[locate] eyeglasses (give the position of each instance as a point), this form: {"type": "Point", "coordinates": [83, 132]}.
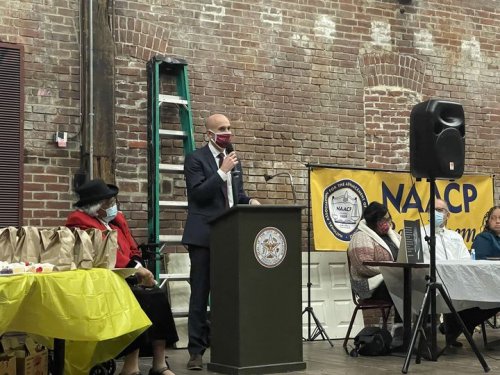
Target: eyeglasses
{"type": "Point", "coordinates": [107, 203]}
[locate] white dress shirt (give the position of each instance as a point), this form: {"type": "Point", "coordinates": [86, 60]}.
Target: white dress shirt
{"type": "Point", "coordinates": [225, 176]}
{"type": "Point", "coordinates": [449, 245]}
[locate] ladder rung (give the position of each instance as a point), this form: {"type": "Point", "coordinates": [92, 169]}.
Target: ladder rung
{"type": "Point", "coordinates": [171, 167]}
{"type": "Point", "coordinates": [172, 99]}
{"type": "Point", "coordinates": [171, 239]}
{"type": "Point", "coordinates": [173, 204]}
{"type": "Point", "coordinates": [174, 134]}
{"type": "Point", "coordinates": [178, 313]}
{"type": "Point", "coordinates": [174, 276]}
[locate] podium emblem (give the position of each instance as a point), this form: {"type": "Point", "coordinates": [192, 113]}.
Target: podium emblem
{"type": "Point", "coordinates": [270, 247]}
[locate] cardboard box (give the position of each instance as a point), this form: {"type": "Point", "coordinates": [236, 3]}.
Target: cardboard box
{"type": "Point", "coordinates": [33, 364]}
{"type": "Point", "coordinates": [30, 358]}
{"type": "Point", "coordinates": [7, 364]}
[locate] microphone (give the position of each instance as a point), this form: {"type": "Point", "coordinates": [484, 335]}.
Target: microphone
{"type": "Point", "coordinates": [235, 175]}
{"type": "Point", "coordinates": [268, 177]}
{"type": "Point", "coordinates": [235, 172]}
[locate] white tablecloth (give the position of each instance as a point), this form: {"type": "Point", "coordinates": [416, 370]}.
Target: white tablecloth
{"type": "Point", "coordinates": [470, 283]}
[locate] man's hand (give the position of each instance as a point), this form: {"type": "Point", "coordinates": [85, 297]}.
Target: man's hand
{"type": "Point", "coordinates": [145, 277]}
{"type": "Point", "coordinates": [254, 201]}
{"type": "Point", "coordinates": [229, 162]}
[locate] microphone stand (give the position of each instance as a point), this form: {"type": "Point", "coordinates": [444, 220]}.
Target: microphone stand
{"type": "Point", "coordinates": [319, 330]}
{"type": "Point", "coordinates": [270, 177]}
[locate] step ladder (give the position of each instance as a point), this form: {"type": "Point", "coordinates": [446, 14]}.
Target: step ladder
{"type": "Point", "coordinates": [170, 76]}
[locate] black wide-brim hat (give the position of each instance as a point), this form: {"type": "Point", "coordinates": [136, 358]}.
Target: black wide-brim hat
{"type": "Point", "coordinates": [94, 191]}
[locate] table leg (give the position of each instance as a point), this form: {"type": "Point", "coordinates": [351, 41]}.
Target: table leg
{"type": "Point", "coordinates": [59, 345]}
{"type": "Point", "coordinates": [406, 306]}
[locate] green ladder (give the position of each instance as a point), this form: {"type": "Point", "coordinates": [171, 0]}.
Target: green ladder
{"type": "Point", "coordinates": [161, 71]}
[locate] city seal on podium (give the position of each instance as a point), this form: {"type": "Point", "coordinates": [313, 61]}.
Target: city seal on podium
{"type": "Point", "coordinates": [343, 205]}
{"type": "Point", "coordinates": [270, 247]}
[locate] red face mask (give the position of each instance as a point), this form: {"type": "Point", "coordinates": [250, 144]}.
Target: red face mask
{"type": "Point", "coordinates": [222, 139]}
{"type": "Point", "coordinates": [383, 227]}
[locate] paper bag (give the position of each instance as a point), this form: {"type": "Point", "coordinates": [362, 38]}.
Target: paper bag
{"type": "Point", "coordinates": [82, 252]}
{"type": "Point", "coordinates": [105, 245]}
{"type": "Point", "coordinates": [8, 240]}
{"type": "Point", "coordinates": [57, 248]}
{"type": "Point", "coordinates": [28, 247]}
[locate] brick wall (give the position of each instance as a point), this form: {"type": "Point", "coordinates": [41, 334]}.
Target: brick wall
{"type": "Point", "coordinates": [322, 82]}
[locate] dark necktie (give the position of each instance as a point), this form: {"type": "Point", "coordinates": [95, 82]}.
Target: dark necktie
{"type": "Point", "coordinates": [224, 187]}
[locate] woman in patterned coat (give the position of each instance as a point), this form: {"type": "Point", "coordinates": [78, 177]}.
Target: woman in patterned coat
{"type": "Point", "coordinates": [374, 240]}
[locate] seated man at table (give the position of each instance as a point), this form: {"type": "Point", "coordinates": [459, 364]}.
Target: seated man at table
{"type": "Point", "coordinates": [450, 246]}
{"type": "Point", "coordinates": [374, 240]}
{"type": "Point", "coordinates": [97, 208]}
{"type": "Point", "coordinates": [487, 243]}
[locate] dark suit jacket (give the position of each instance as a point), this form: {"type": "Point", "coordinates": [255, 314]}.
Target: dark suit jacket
{"type": "Point", "coordinates": [206, 195]}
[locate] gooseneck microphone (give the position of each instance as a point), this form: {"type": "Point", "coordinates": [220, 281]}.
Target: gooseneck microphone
{"type": "Point", "coordinates": [268, 177]}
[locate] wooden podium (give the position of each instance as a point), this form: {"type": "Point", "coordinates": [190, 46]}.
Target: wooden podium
{"type": "Point", "coordinates": [255, 300]}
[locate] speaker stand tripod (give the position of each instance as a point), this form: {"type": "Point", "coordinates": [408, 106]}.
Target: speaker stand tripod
{"type": "Point", "coordinates": [319, 330]}
{"type": "Point", "coordinates": [430, 300]}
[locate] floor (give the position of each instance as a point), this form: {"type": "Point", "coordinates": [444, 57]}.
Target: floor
{"type": "Point", "coordinates": [321, 359]}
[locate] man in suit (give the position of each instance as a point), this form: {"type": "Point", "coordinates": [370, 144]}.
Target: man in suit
{"type": "Point", "coordinates": [214, 184]}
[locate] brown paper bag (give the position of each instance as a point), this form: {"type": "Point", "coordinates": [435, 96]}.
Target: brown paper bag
{"type": "Point", "coordinates": [105, 245]}
{"type": "Point", "coordinates": [83, 249]}
{"type": "Point", "coordinates": [28, 247]}
{"type": "Point", "coordinates": [8, 240]}
{"type": "Point", "coordinates": [109, 248]}
{"type": "Point", "coordinates": [57, 248]}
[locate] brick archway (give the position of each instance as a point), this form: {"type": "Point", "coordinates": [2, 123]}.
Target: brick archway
{"type": "Point", "coordinates": [392, 85]}
{"type": "Point", "coordinates": [140, 39]}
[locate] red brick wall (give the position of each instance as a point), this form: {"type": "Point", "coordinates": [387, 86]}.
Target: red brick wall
{"type": "Point", "coordinates": [327, 82]}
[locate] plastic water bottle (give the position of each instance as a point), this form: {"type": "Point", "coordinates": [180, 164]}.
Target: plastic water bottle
{"type": "Point", "coordinates": [473, 254]}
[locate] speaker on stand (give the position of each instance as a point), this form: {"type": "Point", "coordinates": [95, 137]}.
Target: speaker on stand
{"type": "Point", "coordinates": [437, 140]}
{"type": "Point", "coordinates": [437, 150]}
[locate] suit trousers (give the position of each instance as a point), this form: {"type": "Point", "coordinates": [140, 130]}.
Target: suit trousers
{"type": "Point", "coordinates": [198, 328]}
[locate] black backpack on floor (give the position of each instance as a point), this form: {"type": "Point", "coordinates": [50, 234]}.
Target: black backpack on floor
{"type": "Point", "coordinates": [372, 341]}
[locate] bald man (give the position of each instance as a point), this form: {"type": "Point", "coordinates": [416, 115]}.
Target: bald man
{"type": "Point", "coordinates": [214, 184]}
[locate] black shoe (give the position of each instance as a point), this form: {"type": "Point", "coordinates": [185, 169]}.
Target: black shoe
{"type": "Point", "coordinates": [195, 362]}
{"type": "Point", "coordinates": [455, 344]}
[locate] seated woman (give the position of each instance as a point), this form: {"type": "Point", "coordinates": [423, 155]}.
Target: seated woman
{"type": "Point", "coordinates": [487, 243]}
{"type": "Point", "coordinates": [97, 208]}
{"type": "Point", "coordinates": [374, 240]}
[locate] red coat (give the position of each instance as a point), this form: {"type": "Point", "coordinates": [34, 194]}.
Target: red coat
{"type": "Point", "coordinates": [127, 247]}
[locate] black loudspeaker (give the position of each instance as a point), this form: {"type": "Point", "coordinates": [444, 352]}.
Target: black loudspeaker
{"type": "Point", "coordinates": [437, 140]}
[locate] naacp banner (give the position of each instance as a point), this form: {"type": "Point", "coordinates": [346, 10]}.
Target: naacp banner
{"type": "Point", "coordinates": [339, 196]}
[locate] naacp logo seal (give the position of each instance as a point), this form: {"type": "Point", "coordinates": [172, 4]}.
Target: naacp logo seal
{"type": "Point", "coordinates": [269, 247]}
{"type": "Point", "coordinates": [343, 205]}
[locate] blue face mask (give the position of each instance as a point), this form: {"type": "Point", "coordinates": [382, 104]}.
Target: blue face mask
{"type": "Point", "coordinates": [438, 218]}
{"type": "Point", "coordinates": [111, 213]}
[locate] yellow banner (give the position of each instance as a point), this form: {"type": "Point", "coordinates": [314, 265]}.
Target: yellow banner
{"type": "Point", "coordinates": [339, 196]}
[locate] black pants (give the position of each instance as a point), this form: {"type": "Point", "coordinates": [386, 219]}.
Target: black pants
{"type": "Point", "coordinates": [381, 293]}
{"type": "Point", "coordinates": [154, 303]}
{"type": "Point", "coordinates": [198, 329]}
{"type": "Point", "coordinates": [471, 318]}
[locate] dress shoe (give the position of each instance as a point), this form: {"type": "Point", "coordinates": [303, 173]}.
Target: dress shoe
{"type": "Point", "coordinates": [454, 343]}
{"type": "Point", "coordinates": [195, 362]}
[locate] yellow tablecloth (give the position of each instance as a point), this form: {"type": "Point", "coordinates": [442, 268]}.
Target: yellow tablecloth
{"type": "Point", "coordinates": [93, 310]}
